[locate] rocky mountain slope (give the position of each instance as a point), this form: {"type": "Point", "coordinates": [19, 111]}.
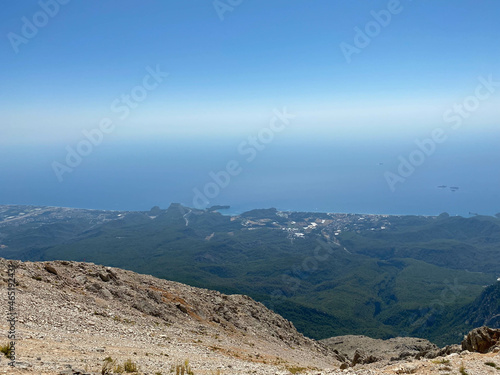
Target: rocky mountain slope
{"type": "Point", "coordinates": [81, 318]}
{"type": "Point", "coordinates": [78, 314]}
{"type": "Point", "coordinates": [485, 310]}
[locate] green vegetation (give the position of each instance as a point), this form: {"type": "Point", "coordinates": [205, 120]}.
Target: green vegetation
{"type": "Point", "coordinates": [111, 366]}
{"type": "Point", "coordinates": [418, 277]}
{"type": "Point", "coordinates": [107, 366]}
{"type": "Point", "coordinates": [492, 364]}
{"type": "Point", "coordinates": [6, 349]}
{"type": "Point", "coordinates": [183, 369]}
{"type": "Point", "coordinates": [296, 370]}
{"type": "Point", "coordinates": [406, 371]}
{"type": "Point", "coordinates": [130, 366]}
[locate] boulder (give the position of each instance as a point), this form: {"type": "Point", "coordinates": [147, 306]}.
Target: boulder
{"type": "Point", "coordinates": [104, 277]}
{"type": "Point", "coordinates": [50, 269]}
{"type": "Point", "coordinates": [481, 340]}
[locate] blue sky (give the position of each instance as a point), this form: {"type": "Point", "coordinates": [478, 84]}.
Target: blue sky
{"type": "Point", "coordinates": [225, 77]}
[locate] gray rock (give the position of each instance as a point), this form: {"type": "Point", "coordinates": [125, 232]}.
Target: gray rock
{"type": "Point", "coordinates": [143, 305]}
{"type": "Point", "coordinates": [362, 358]}
{"type": "Point", "coordinates": [182, 308]}
{"type": "Point", "coordinates": [104, 277]}
{"type": "Point", "coordinates": [23, 365]}
{"type": "Point", "coordinates": [112, 274]}
{"type": "Point", "coordinates": [447, 350]}
{"type": "Point", "coordinates": [50, 269]}
{"type": "Point", "coordinates": [81, 279]}
{"type": "Point", "coordinates": [94, 287]}
{"type": "Point", "coordinates": [106, 294]}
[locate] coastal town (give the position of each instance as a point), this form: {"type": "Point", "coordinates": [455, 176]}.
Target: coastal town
{"type": "Point", "coordinates": [330, 225]}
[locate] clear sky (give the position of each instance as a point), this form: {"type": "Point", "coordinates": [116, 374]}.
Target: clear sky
{"type": "Point", "coordinates": [226, 76]}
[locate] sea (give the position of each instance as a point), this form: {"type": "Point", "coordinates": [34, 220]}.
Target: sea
{"type": "Point", "coordinates": [371, 176]}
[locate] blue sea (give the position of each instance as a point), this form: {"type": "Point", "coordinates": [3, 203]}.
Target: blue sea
{"type": "Point", "coordinates": [296, 174]}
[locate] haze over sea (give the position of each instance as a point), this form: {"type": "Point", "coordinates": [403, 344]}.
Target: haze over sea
{"type": "Point", "coordinates": [293, 172]}
{"type": "Point", "coordinates": [182, 86]}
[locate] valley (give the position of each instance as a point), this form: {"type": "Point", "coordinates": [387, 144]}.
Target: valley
{"type": "Point", "coordinates": [330, 274]}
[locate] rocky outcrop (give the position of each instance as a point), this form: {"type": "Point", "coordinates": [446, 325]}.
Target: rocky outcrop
{"type": "Point", "coordinates": [440, 352]}
{"type": "Point", "coordinates": [481, 340]}
{"type": "Point", "coordinates": [362, 349]}
{"type": "Point", "coordinates": [361, 357]}
{"type": "Point", "coordinates": [365, 350]}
